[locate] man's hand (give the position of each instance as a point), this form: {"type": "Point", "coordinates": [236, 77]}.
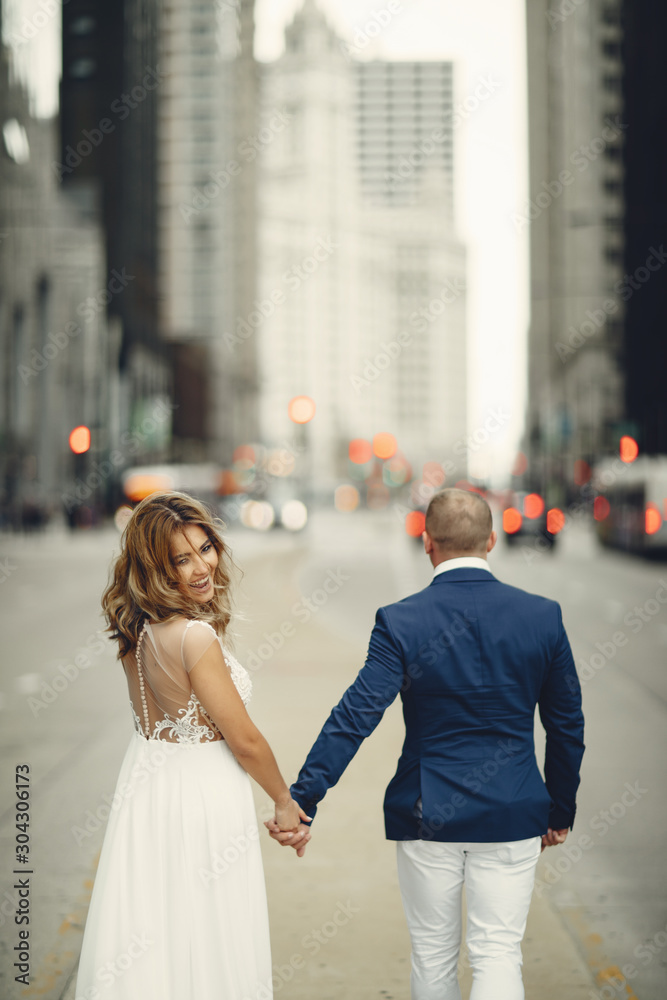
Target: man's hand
{"type": "Point", "coordinates": [297, 840]}
{"type": "Point", "coordinates": [553, 837]}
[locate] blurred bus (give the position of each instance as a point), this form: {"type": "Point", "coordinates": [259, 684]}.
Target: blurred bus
{"type": "Point", "coordinates": [630, 509]}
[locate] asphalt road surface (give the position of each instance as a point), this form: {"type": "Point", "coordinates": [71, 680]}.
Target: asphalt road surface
{"type": "Point", "coordinates": [598, 925]}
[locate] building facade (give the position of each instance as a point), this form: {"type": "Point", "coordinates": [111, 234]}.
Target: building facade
{"type": "Point", "coordinates": [577, 133]}
{"type": "Point", "coordinates": [55, 341]}
{"type": "Point", "coordinates": [207, 125]}
{"type": "Point", "coordinates": [362, 276]}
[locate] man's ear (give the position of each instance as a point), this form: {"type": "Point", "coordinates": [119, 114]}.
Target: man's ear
{"type": "Point", "coordinates": [428, 543]}
{"type": "Point", "coordinates": [493, 538]}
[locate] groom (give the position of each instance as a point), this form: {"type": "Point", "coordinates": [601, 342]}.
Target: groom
{"type": "Point", "coordinates": [471, 658]}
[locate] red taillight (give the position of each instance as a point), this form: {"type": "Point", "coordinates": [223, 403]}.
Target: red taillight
{"type": "Point", "coordinates": [533, 505]}
{"type": "Point", "coordinates": [652, 520]}
{"type": "Point", "coordinates": [555, 520]}
{"type": "Point", "coordinates": [512, 520]}
{"type": "Point", "coordinates": [601, 508]}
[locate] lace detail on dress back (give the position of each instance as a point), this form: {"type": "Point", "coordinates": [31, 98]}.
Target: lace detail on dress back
{"type": "Point", "coordinates": [186, 727]}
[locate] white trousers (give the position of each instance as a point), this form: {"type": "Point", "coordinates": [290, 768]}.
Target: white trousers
{"type": "Point", "coordinates": [499, 882]}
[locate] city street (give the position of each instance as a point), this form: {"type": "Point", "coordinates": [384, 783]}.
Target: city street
{"type": "Point", "coordinates": [598, 925]}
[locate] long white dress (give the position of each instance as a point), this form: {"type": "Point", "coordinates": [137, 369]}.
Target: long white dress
{"type": "Point", "coordinates": [178, 909]}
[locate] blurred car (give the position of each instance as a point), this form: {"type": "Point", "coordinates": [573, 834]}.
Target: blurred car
{"type": "Point", "coordinates": [526, 520]}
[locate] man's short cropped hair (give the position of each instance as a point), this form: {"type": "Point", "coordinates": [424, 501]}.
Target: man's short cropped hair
{"type": "Point", "coordinates": [459, 521]}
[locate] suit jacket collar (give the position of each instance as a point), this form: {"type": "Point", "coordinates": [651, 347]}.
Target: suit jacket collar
{"type": "Point", "coordinates": [459, 575]}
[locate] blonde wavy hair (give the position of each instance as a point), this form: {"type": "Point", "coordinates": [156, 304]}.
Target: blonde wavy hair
{"type": "Point", "coordinates": [146, 584]}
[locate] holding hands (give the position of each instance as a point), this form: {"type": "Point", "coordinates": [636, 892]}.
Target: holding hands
{"type": "Point", "coordinates": [286, 827]}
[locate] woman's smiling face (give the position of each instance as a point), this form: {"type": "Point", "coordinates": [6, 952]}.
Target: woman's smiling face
{"type": "Point", "coordinates": [196, 560]}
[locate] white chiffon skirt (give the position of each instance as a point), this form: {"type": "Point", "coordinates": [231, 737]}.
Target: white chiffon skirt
{"type": "Point", "coordinates": [178, 909]}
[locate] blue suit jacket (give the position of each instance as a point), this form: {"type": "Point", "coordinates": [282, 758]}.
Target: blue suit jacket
{"type": "Point", "coordinates": [471, 658]}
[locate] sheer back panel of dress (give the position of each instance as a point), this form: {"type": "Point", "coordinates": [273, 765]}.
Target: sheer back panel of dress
{"type": "Point", "coordinates": [167, 653]}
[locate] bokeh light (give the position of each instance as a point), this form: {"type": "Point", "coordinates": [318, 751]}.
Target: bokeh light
{"type": "Point", "coordinates": [244, 453]}
{"type": "Point", "coordinates": [395, 471]}
{"type": "Point", "coordinates": [520, 464]}
{"type": "Point", "coordinates": [555, 520]}
{"type": "Point", "coordinates": [582, 472]}
{"type": "Point", "coordinates": [628, 448]}
{"type": "Point", "coordinates": [293, 515]}
{"type": "Point", "coordinates": [257, 514]}
{"type": "Point", "coordinates": [280, 462]}
{"type": "Point", "coordinates": [122, 516]}
{"type": "Point", "coordinates": [652, 520]}
{"type": "Point", "coordinates": [601, 508]}
{"type": "Point", "coordinates": [301, 409]}
{"type": "Point", "coordinates": [360, 451]}
{"type": "Point", "coordinates": [140, 485]}
{"type": "Point", "coordinates": [415, 522]}
{"type": "Point", "coordinates": [79, 439]}
{"type": "Point", "coordinates": [384, 445]}
{"type": "Point", "coordinates": [433, 474]}
{"type": "Point", "coordinates": [512, 520]}
{"type": "Point", "coordinates": [346, 498]}
{"type": "Point", "coordinates": [533, 505]}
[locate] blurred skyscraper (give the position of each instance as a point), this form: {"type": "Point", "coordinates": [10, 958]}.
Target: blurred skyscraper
{"type": "Point", "coordinates": [175, 85]}
{"type": "Point", "coordinates": [576, 132]}
{"type": "Point", "coordinates": [362, 277]}
{"type": "Point", "coordinates": [207, 214]}
{"type": "Point", "coordinates": [645, 221]}
{"type": "Point", "coordinates": [54, 341]}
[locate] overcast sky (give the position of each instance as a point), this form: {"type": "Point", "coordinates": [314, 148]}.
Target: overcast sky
{"type": "Point", "coordinates": [485, 38]}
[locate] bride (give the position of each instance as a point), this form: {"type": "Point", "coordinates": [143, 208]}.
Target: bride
{"type": "Point", "coordinates": [178, 909]}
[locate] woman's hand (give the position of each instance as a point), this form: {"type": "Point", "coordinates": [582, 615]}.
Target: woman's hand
{"type": "Point", "coordinates": [288, 815]}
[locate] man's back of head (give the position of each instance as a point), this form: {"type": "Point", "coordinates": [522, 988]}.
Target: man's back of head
{"type": "Point", "coordinates": [458, 523]}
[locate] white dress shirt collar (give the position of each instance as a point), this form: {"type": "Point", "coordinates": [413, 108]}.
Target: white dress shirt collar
{"type": "Point", "coordinates": [462, 562]}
